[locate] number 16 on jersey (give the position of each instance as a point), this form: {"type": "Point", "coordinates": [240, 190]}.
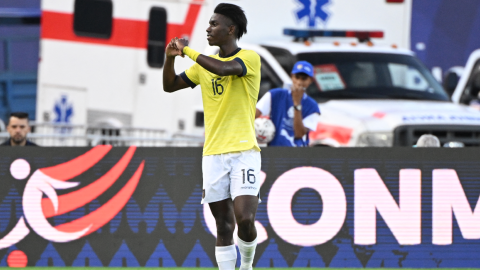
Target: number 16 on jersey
{"type": "Point", "coordinates": [216, 86]}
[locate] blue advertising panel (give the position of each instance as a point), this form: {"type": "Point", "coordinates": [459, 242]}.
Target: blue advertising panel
{"type": "Point", "coordinates": [445, 32]}
{"type": "Point", "coordinates": [321, 207]}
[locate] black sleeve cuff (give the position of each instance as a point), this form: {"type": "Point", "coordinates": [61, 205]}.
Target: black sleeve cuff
{"type": "Point", "coordinates": [187, 80]}
{"type": "Point", "coordinates": [240, 61]}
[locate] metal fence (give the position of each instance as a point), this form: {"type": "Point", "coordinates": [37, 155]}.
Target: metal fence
{"type": "Point", "coordinates": [46, 134]}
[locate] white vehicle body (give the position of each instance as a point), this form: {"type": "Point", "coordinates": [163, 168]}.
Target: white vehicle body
{"type": "Point", "coordinates": [107, 80]}
{"type": "Point", "coordinates": [89, 80]}
{"type": "Point", "coordinates": [383, 121]}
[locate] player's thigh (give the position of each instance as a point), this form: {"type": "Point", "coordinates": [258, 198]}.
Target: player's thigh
{"type": "Point", "coordinates": [223, 212]}
{"type": "Point", "coordinates": [245, 174]}
{"type": "Point", "coordinates": [216, 181]}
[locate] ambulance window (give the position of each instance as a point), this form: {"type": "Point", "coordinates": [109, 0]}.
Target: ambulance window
{"type": "Point", "coordinates": [93, 18]}
{"type": "Point", "coordinates": [157, 34]}
{"type": "Point", "coordinates": [269, 79]}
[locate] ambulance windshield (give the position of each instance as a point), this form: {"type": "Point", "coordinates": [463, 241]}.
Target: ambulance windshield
{"type": "Point", "coordinates": [371, 76]}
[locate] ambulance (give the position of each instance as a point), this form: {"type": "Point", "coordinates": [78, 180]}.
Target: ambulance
{"type": "Point", "coordinates": [101, 65]}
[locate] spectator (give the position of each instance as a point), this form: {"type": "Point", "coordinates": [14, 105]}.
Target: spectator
{"type": "Point", "coordinates": [428, 140]}
{"type": "Point", "coordinates": [292, 112]}
{"type": "Point", "coordinates": [18, 128]}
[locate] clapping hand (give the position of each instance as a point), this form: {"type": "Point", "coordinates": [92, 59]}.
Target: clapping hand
{"type": "Point", "coordinates": [172, 49]}
{"type": "Point", "coordinates": [180, 43]}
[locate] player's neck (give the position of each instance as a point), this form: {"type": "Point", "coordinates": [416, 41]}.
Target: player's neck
{"type": "Point", "coordinates": [227, 49]}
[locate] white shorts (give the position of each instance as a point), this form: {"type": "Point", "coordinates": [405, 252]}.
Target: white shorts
{"type": "Point", "coordinates": [230, 175]}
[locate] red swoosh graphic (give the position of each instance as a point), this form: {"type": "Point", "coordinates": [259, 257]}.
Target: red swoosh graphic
{"type": "Point", "coordinates": [79, 198]}
{"type": "Point", "coordinates": [77, 166]}
{"type": "Point", "coordinates": [106, 212]}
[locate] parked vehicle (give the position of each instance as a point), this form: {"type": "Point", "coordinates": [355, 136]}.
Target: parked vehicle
{"type": "Point", "coordinates": [102, 66]}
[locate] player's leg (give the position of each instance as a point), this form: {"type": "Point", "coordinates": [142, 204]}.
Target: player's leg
{"type": "Point", "coordinates": [223, 213]}
{"type": "Point", "coordinates": [216, 188]}
{"type": "Point", "coordinates": [245, 188]}
{"type": "Point", "coordinates": [225, 251]}
{"type": "Point", "coordinates": [245, 209]}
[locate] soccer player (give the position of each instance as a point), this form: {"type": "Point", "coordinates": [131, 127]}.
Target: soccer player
{"type": "Point", "coordinates": [230, 83]}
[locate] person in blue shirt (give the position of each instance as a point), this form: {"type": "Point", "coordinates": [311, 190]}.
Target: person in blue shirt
{"type": "Point", "coordinates": [292, 112]}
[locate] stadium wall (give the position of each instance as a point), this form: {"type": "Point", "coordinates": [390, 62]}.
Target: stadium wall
{"type": "Point", "coordinates": [355, 207]}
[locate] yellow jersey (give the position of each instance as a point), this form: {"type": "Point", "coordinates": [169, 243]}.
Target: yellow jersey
{"type": "Point", "coordinates": [228, 103]}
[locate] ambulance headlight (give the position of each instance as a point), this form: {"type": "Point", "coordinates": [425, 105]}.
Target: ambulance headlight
{"type": "Point", "coordinates": [377, 139]}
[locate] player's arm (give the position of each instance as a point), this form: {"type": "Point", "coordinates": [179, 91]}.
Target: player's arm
{"type": "Point", "coordinates": [215, 66]}
{"type": "Point", "coordinates": [171, 81]}
{"type": "Point", "coordinates": [219, 67]}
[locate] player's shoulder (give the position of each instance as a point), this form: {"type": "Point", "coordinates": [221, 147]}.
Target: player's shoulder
{"type": "Point", "coordinates": [249, 54]}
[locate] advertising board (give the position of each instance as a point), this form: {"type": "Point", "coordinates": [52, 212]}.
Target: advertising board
{"type": "Point", "coordinates": [358, 207]}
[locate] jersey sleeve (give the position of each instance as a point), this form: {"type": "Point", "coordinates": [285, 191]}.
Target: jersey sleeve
{"type": "Point", "coordinates": [191, 75]}
{"type": "Point", "coordinates": [250, 62]}
{"type": "Point", "coordinates": [265, 104]}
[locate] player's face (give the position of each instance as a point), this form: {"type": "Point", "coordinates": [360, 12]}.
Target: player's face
{"type": "Point", "coordinates": [301, 80]}
{"type": "Point", "coordinates": [219, 30]}
{"type": "Point", "coordinates": [18, 129]}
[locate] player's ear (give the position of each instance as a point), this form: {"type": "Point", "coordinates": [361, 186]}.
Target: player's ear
{"type": "Point", "coordinates": [231, 29]}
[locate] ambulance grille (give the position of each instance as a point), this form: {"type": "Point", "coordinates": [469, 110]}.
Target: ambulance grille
{"type": "Point", "coordinates": [408, 135]}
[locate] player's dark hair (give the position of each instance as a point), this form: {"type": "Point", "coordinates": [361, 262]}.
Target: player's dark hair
{"type": "Point", "coordinates": [19, 115]}
{"type": "Point", "coordinates": [236, 14]}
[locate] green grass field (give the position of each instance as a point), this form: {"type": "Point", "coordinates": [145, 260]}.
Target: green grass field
{"type": "Point", "coordinates": [190, 268]}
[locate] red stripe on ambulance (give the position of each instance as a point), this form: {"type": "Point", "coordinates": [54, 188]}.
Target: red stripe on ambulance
{"type": "Point", "coordinates": [125, 32]}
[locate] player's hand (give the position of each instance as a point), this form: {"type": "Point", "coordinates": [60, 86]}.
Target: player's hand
{"type": "Point", "coordinates": [297, 94]}
{"type": "Point", "coordinates": [172, 50]}
{"type": "Point", "coordinates": [180, 43]}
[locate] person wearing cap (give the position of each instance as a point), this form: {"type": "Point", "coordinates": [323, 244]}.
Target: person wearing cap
{"type": "Point", "coordinates": [292, 112]}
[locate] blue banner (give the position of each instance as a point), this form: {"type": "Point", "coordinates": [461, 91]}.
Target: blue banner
{"type": "Point", "coordinates": [321, 207]}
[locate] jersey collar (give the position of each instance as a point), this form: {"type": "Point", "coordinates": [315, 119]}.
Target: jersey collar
{"type": "Point", "coordinates": [232, 54]}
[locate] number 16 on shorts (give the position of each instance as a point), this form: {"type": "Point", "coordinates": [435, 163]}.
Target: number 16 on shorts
{"type": "Point", "coordinates": [249, 176]}
{"type": "Point", "coordinates": [246, 182]}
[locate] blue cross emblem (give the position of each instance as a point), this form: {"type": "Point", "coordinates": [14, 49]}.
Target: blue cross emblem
{"type": "Point", "coordinates": [312, 15]}
{"type": "Point", "coordinates": [63, 111]}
